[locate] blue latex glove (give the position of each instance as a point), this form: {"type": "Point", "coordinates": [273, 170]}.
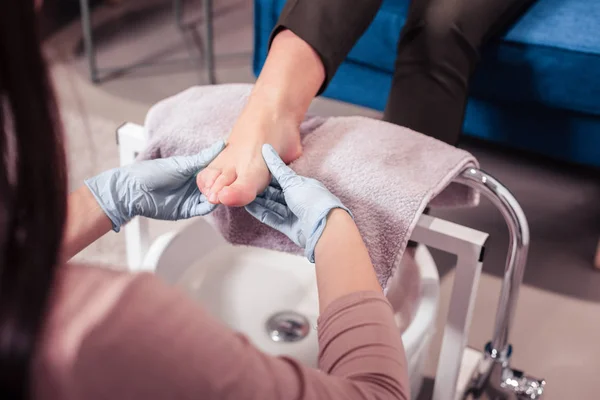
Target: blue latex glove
{"type": "Point", "coordinates": [294, 205]}
{"type": "Point", "coordinates": [161, 189]}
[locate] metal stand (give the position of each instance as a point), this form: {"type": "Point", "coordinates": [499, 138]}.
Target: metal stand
{"type": "Point", "coordinates": [209, 52]}
{"type": "Point", "coordinates": [493, 378]}
{"type": "Point", "coordinates": [208, 43]}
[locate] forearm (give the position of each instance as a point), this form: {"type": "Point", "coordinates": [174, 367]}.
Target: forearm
{"type": "Point", "coordinates": [86, 222]}
{"type": "Point", "coordinates": [358, 335]}
{"type": "Point", "coordinates": [343, 264]}
{"type": "Point", "coordinates": [361, 358]}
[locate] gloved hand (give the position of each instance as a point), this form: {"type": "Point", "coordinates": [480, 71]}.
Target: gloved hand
{"type": "Point", "coordinates": [161, 189]}
{"type": "Point", "coordinates": [294, 205]}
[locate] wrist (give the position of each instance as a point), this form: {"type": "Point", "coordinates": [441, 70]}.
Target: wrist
{"type": "Point", "coordinates": [86, 222]}
{"type": "Point", "coordinates": [337, 219]}
{"type": "Point", "coordinates": [339, 216]}
{"type": "Point", "coordinates": [105, 202]}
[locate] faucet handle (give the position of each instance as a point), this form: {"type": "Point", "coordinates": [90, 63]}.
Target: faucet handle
{"type": "Point", "coordinates": [524, 387]}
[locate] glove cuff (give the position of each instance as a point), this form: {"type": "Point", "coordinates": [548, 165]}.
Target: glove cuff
{"type": "Point", "coordinates": [318, 229]}
{"type": "Point", "coordinates": [104, 203]}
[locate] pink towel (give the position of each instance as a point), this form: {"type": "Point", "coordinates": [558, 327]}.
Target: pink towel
{"type": "Point", "coordinates": [384, 173]}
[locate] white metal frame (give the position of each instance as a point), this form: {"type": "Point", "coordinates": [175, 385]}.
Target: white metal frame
{"type": "Point", "coordinates": [466, 243]}
{"type": "Point", "coordinates": [468, 246]}
{"type": "Point", "coordinates": [131, 140]}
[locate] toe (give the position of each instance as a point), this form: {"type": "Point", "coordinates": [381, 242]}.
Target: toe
{"type": "Point", "coordinates": [239, 194]}
{"type": "Point", "coordinates": [206, 179]}
{"type": "Point", "coordinates": [226, 178]}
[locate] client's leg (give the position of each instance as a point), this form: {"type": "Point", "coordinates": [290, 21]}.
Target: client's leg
{"type": "Point", "coordinates": [437, 53]}
{"type": "Point", "coordinates": [299, 65]}
{"type": "Point", "coordinates": [271, 116]}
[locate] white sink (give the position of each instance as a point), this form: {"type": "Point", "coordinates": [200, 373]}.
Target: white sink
{"type": "Point", "coordinates": [245, 287]}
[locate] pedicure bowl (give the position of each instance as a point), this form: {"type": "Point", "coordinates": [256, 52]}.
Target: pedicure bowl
{"type": "Point", "coordinates": [272, 298]}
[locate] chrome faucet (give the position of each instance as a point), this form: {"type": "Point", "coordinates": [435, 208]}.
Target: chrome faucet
{"type": "Point", "coordinates": [493, 378]}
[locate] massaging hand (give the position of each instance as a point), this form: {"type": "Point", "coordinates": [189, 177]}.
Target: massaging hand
{"type": "Point", "coordinates": [294, 205]}
{"type": "Point", "coordinates": [160, 189]}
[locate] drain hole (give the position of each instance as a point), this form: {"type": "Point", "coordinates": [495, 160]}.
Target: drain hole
{"type": "Point", "coordinates": [287, 326]}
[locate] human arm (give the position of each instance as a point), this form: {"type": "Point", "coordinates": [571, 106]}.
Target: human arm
{"type": "Point", "coordinates": [86, 222]}
{"type": "Point", "coordinates": [137, 338]}
{"type": "Point", "coordinates": [155, 343]}
{"type": "Point", "coordinates": [343, 264]}
{"type": "Point", "coordinates": [160, 189]}
{"type": "Point", "coordinates": [316, 220]}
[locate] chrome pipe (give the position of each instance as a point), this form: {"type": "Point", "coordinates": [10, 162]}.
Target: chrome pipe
{"type": "Point", "coordinates": [518, 247]}
{"type": "Point", "coordinates": [494, 379]}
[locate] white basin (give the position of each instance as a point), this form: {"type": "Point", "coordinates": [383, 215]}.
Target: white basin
{"type": "Point", "coordinates": [244, 287]}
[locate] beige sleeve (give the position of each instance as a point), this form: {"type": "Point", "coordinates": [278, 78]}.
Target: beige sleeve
{"type": "Point", "coordinates": [158, 344]}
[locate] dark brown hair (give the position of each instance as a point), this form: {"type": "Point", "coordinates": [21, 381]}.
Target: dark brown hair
{"type": "Point", "coordinates": [32, 194]}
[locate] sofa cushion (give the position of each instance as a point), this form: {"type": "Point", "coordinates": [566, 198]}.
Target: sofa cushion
{"type": "Point", "coordinates": [550, 56]}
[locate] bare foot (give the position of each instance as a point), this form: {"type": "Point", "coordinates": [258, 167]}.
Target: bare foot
{"type": "Point", "coordinates": [239, 173]}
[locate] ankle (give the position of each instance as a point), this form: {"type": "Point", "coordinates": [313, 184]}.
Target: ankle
{"type": "Point", "coordinates": [266, 120]}
{"type": "Point", "coordinates": [274, 107]}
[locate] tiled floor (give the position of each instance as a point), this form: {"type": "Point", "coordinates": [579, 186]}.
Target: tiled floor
{"type": "Point", "coordinates": [556, 328]}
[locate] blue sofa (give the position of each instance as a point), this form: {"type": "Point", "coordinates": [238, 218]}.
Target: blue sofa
{"type": "Point", "coordinates": [537, 89]}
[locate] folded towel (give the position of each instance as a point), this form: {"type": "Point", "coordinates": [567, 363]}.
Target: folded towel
{"type": "Point", "coordinates": [384, 173]}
